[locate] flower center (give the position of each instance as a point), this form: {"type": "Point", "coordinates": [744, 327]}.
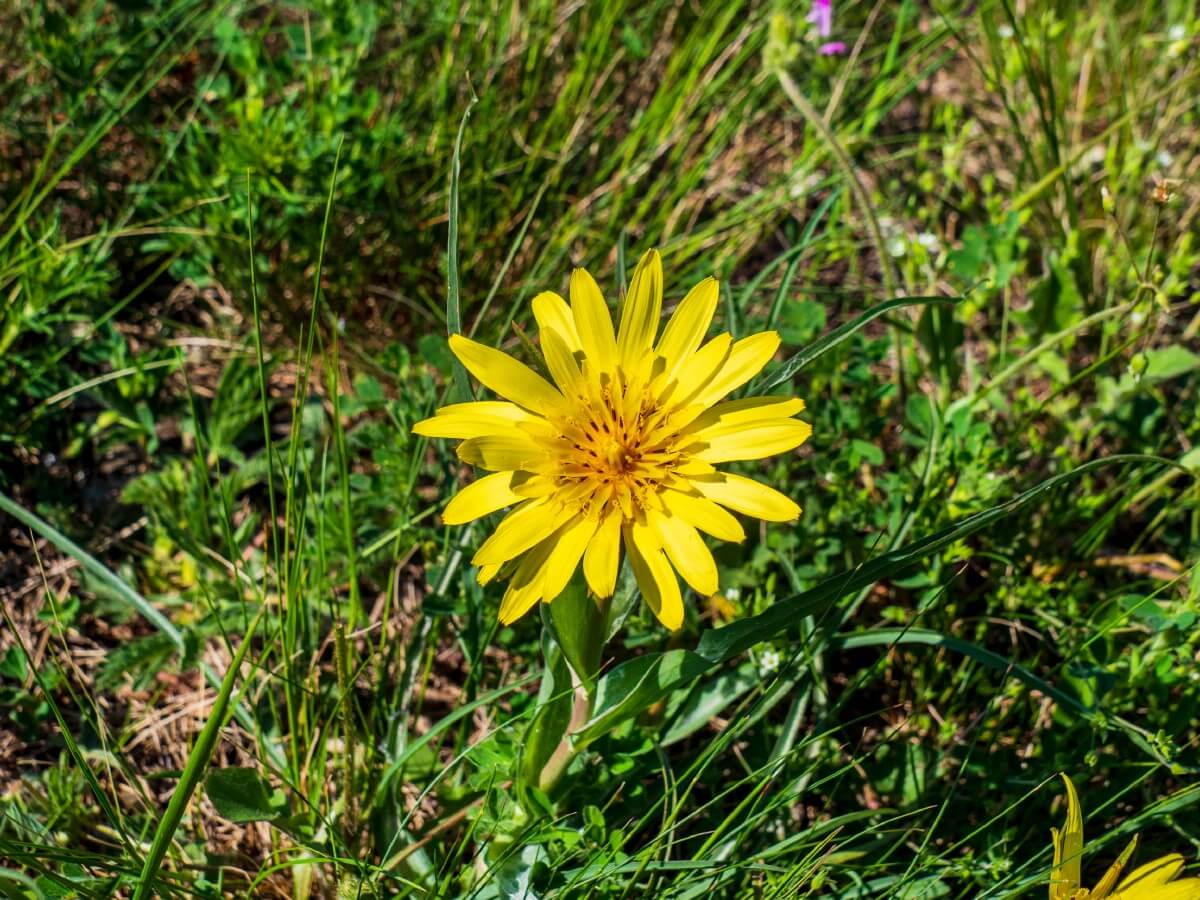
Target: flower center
{"type": "Point", "coordinates": [612, 455]}
{"type": "Point", "coordinates": [616, 456]}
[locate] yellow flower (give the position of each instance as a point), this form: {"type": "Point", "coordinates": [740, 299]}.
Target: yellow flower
{"type": "Point", "coordinates": [1153, 881]}
{"type": "Point", "coordinates": [620, 450]}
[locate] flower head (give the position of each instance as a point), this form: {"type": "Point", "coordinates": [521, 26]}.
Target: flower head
{"type": "Point", "coordinates": [1153, 881]}
{"type": "Point", "coordinates": [620, 450]}
{"type": "Point", "coordinates": [821, 15]}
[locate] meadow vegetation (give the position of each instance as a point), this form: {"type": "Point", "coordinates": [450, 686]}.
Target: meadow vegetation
{"type": "Point", "coordinates": [242, 656]}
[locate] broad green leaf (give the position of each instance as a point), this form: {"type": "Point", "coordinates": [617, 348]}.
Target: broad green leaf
{"type": "Point", "coordinates": [1170, 362]}
{"type": "Point", "coordinates": [577, 625]}
{"type": "Point", "coordinates": [635, 685]}
{"type": "Point", "coordinates": [241, 795]}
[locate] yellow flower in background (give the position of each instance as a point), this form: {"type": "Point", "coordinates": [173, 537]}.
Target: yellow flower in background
{"type": "Point", "coordinates": [620, 451]}
{"type": "Point", "coordinates": [1153, 881]}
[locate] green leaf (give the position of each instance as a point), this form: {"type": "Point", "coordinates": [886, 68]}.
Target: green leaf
{"type": "Point", "coordinates": [241, 795]}
{"type": "Point", "coordinates": [801, 321]}
{"type": "Point", "coordinates": [1170, 362]}
{"type": "Point", "coordinates": [635, 685]}
{"type": "Point", "coordinates": [577, 625]}
{"type": "Point", "coordinates": [709, 699]}
{"type": "Point", "coordinates": [462, 384]}
{"type": "Point", "coordinates": [786, 371]}
{"type": "Point", "coordinates": [894, 637]}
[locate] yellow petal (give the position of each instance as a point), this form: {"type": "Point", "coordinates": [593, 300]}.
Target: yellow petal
{"type": "Point", "coordinates": [752, 441]}
{"type": "Point", "coordinates": [687, 552]}
{"type": "Point", "coordinates": [510, 379]}
{"type": "Point", "coordinates": [592, 321]}
{"type": "Point", "coordinates": [525, 586]}
{"type": "Point", "coordinates": [1187, 889]}
{"type": "Point", "coordinates": [688, 325]}
{"type": "Point", "coordinates": [746, 359]}
{"type": "Point", "coordinates": [696, 372]}
{"type": "Point", "coordinates": [561, 363]}
{"type": "Point", "coordinates": [603, 556]}
{"type": "Point", "coordinates": [1154, 874]}
{"type": "Point", "coordinates": [468, 420]}
{"type": "Point", "coordinates": [551, 311]}
{"type": "Point", "coordinates": [1057, 889]}
{"type": "Point", "coordinates": [569, 544]}
{"type": "Point", "coordinates": [488, 494]}
{"type": "Point", "coordinates": [487, 573]}
{"type": "Point", "coordinates": [1105, 885]}
{"type": "Point", "coordinates": [747, 496]}
{"type": "Point", "coordinates": [641, 311]}
{"type": "Point", "coordinates": [1068, 847]}
{"type": "Point", "coordinates": [497, 453]}
{"type": "Point", "coordinates": [740, 412]}
{"type": "Point", "coordinates": [703, 514]}
{"type": "Point", "coordinates": [533, 486]}
{"type": "Point", "coordinates": [655, 579]}
{"type": "Point", "coordinates": [525, 526]}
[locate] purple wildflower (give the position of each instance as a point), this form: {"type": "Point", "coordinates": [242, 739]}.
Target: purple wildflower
{"type": "Point", "coordinates": [822, 16]}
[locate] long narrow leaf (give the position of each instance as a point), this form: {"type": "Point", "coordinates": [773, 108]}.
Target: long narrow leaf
{"type": "Point", "coordinates": [633, 686]}
{"type": "Point", "coordinates": [786, 371]}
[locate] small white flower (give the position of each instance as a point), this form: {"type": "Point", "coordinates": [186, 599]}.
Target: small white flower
{"type": "Point", "coordinates": [769, 661]}
{"type": "Point", "coordinates": [1164, 159]}
{"type": "Point", "coordinates": [732, 594]}
{"type": "Point", "coordinates": [929, 241]}
{"type": "Point", "coordinates": [829, 476]}
{"type": "Point", "coordinates": [1137, 317]}
{"type": "Point", "coordinates": [896, 246]}
{"type": "Point", "coordinates": [1005, 31]}
{"type": "Point", "coordinates": [1176, 33]}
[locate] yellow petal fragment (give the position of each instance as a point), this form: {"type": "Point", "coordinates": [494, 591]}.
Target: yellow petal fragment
{"type": "Point", "coordinates": [592, 321]}
{"type": "Point", "coordinates": [1187, 889]}
{"type": "Point", "coordinates": [1068, 848]}
{"type": "Point", "coordinates": [747, 496]}
{"type": "Point", "coordinates": [569, 545]}
{"type": "Point", "coordinates": [468, 420]}
{"type": "Point", "coordinates": [1105, 885]}
{"type": "Point", "coordinates": [488, 494]}
{"type": "Point", "coordinates": [603, 555]}
{"type": "Point", "coordinates": [561, 363]}
{"type": "Point", "coordinates": [688, 325]}
{"type": "Point", "coordinates": [1154, 874]}
{"type": "Point", "coordinates": [687, 552]}
{"type": "Point", "coordinates": [551, 311]}
{"type": "Point", "coordinates": [641, 311]}
{"type": "Point", "coordinates": [753, 441]}
{"type": "Point", "coordinates": [525, 586]}
{"type": "Point", "coordinates": [696, 372]}
{"type": "Point", "coordinates": [525, 526]}
{"type": "Point", "coordinates": [704, 514]}
{"type": "Point", "coordinates": [654, 576]}
{"type": "Point", "coordinates": [499, 453]}
{"type": "Point", "coordinates": [740, 412]}
{"type": "Point", "coordinates": [487, 573]}
{"type": "Point", "coordinates": [506, 376]}
{"type": "Point", "coordinates": [1057, 889]}
{"type": "Point", "coordinates": [746, 359]}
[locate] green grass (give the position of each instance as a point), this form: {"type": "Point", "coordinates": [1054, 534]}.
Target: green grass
{"type": "Point", "coordinates": [242, 657]}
